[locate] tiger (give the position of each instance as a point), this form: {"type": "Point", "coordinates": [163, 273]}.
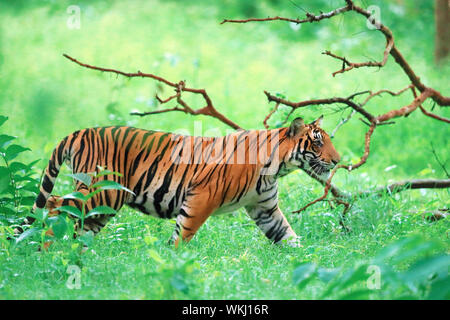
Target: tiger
{"type": "Point", "coordinates": [189, 178]}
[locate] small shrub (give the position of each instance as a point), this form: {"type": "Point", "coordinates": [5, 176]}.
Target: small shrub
{"type": "Point", "coordinates": [18, 183]}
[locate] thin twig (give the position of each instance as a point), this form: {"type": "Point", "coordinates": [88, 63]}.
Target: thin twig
{"type": "Point", "coordinates": [437, 160]}
{"type": "Point", "coordinates": [309, 17]}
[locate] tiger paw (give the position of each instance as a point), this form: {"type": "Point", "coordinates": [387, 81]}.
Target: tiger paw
{"type": "Point", "coordinates": [293, 242]}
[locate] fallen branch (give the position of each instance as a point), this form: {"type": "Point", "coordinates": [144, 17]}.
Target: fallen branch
{"type": "Point", "coordinates": [434, 215]}
{"type": "Point", "coordinates": [408, 185]}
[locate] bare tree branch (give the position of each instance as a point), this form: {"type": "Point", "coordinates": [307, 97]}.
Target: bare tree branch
{"type": "Point", "coordinates": [309, 17]}
{"type": "Point", "coordinates": [208, 110]}
{"type": "Point", "coordinates": [434, 116]}
{"type": "Point", "coordinates": [408, 185]}
{"type": "Point", "coordinates": [305, 103]}
{"type": "Point", "coordinates": [389, 49]}
{"type": "Point", "coordinates": [354, 65]}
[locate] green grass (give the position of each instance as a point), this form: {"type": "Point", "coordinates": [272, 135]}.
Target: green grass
{"type": "Point", "coordinates": [233, 260]}
{"type": "Point", "coordinates": [47, 97]}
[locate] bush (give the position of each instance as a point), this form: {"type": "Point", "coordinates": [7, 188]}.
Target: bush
{"type": "Point", "coordinates": [18, 183]}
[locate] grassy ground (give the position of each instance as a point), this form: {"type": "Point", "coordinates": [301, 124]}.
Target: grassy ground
{"type": "Point", "coordinates": [46, 97]}
{"type": "Point", "coordinates": [231, 258]}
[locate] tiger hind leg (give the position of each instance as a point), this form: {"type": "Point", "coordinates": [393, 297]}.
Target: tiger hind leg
{"type": "Point", "coordinates": [190, 218]}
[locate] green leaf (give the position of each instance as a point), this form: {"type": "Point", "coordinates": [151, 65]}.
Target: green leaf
{"type": "Point", "coordinates": [349, 277]}
{"type": "Point", "coordinates": [87, 238]}
{"type": "Point", "coordinates": [177, 281]}
{"type": "Point", "coordinates": [8, 211]}
{"type": "Point", "coordinates": [39, 214]}
{"type": "Point", "coordinates": [303, 274]}
{"type": "Point", "coordinates": [27, 201]}
{"type": "Point", "coordinates": [28, 233]}
{"type": "Point", "coordinates": [76, 195]}
{"type": "Point", "coordinates": [440, 290]}
{"type": "Point", "coordinates": [362, 294]}
{"type": "Point", "coordinates": [105, 172]}
{"type": "Point", "coordinates": [2, 120]}
{"type": "Point", "coordinates": [82, 177]}
{"type": "Point", "coordinates": [326, 275]}
{"type": "Point", "coordinates": [398, 247]}
{"type": "Point", "coordinates": [107, 185]}
{"type": "Point", "coordinates": [19, 166]}
{"type": "Point", "coordinates": [13, 151]}
{"type": "Point", "coordinates": [5, 140]}
{"type": "Point", "coordinates": [71, 210]}
{"type": "Point", "coordinates": [18, 178]}
{"type": "Point", "coordinates": [32, 186]}
{"type": "Point", "coordinates": [101, 210]}
{"type": "Point", "coordinates": [5, 179]}
{"type": "Point", "coordinates": [424, 268]}
{"type": "Point", "coordinates": [58, 225]}
{"type": "Point", "coordinates": [418, 249]}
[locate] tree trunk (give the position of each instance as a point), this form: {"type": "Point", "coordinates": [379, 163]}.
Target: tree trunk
{"type": "Point", "coordinates": [442, 18]}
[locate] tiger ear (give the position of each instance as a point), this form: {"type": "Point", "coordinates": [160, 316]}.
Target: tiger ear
{"type": "Point", "coordinates": [318, 121]}
{"type": "Point", "coordinates": [296, 127]}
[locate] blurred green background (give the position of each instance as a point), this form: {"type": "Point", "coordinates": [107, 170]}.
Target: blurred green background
{"type": "Point", "coordinates": [47, 97]}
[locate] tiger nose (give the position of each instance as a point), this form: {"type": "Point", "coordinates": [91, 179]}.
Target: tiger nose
{"type": "Point", "coordinates": [336, 159]}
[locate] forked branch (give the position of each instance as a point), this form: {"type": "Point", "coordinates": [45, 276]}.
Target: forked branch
{"type": "Point", "coordinates": [179, 87]}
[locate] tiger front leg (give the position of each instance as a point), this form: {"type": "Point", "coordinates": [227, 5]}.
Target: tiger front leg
{"type": "Point", "coordinates": [272, 222]}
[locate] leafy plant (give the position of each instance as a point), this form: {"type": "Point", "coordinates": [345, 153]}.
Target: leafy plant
{"type": "Point", "coordinates": [427, 277]}
{"type": "Point", "coordinates": [18, 186]}
{"type": "Point", "coordinates": [59, 223]}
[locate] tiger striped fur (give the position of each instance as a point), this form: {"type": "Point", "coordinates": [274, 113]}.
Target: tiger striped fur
{"type": "Point", "coordinates": [191, 178]}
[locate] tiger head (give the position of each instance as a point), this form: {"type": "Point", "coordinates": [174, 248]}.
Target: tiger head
{"type": "Point", "coordinates": [310, 148]}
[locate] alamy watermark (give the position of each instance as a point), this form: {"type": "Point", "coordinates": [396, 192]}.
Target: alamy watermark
{"type": "Point", "coordinates": [236, 147]}
{"type": "Point", "coordinates": [374, 21]}
{"type": "Point", "coordinates": [74, 280]}
{"type": "Point", "coordinates": [74, 19]}
{"type": "Point", "coordinates": [374, 280]}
